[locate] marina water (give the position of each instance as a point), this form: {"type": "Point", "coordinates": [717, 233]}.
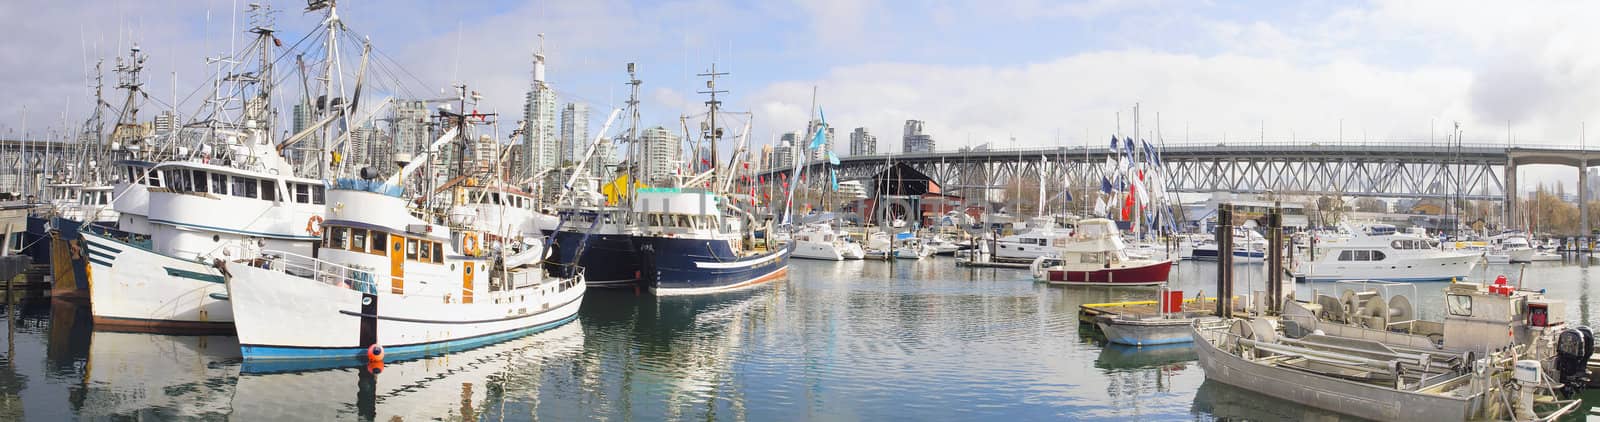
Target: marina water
{"type": "Point", "coordinates": [853, 340]}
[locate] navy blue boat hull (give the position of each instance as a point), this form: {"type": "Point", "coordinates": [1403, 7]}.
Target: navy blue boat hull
{"type": "Point", "coordinates": [676, 266]}
{"type": "Point", "coordinates": [608, 260]}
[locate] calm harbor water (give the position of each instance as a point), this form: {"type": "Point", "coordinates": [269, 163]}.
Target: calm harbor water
{"type": "Point", "coordinates": [909, 340]}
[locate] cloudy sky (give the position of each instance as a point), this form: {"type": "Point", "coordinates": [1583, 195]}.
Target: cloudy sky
{"type": "Point", "coordinates": [1007, 72]}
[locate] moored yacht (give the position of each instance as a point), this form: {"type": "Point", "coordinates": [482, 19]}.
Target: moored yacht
{"type": "Point", "coordinates": [1095, 254]}
{"type": "Point", "coordinates": [820, 241]}
{"type": "Point", "coordinates": [1381, 253]}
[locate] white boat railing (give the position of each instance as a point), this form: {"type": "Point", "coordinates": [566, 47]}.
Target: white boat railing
{"type": "Point", "coordinates": [358, 279]}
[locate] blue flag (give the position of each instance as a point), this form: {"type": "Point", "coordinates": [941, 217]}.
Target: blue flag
{"type": "Point", "coordinates": [833, 159]}
{"type": "Point", "coordinates": [1105, 185]}
{"type": "Point", "coordinates": [833, 174]}
{"type": "Point", "coordinates": [1069, 194]}
{"type": "Point", "coordinates": [820, 139]}
{"type": "Point", "coordinates": [1127, 148]}
{"type": "Point", "coordinates": [1113, 143]}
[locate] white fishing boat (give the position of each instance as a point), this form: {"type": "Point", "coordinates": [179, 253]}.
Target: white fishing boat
{"type": "Point", "coordinates": [384, 277]}
{"type": "Point", "coordinates": [1381, 253]}
{"type": "Point", "coordinates": [202, 215]}
{"type": "Point", "coordinates": [943, 245]}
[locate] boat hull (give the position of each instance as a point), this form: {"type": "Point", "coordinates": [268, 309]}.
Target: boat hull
{"type": "Point", "coordinates": [687, 266]}
{"type": "Point", "coordinates": [1437, 268]}
{"type": "Point", "coordinates": [134, 288]}
{"type": "Point", "coordinates": [283, 317]}
{"type": "Point", "coordinates": [607, 260]}
{"type": "Point", "coordinates": [1348, 397]}
{"type": "Point", "coordinates": [1146, 332]}
{"type": "Point", "coordinates": [1150, 274]}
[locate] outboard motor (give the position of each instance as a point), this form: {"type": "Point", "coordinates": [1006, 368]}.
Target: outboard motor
{"type": "Point", "coordinates": [1573, 348]}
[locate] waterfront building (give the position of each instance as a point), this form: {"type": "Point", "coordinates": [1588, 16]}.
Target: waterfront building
{"type": "Point", "coordinates": [862, 142]}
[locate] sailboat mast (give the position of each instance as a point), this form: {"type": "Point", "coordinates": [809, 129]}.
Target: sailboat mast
{"type": "Point", "coordinates": [712, 131]}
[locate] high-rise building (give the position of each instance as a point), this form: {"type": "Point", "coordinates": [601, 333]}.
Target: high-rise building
{"type": "Point", "coordinates": [765, 162]}
{"type": "Point", "coordinates": [783, 156]}
{"type": "Point", "coordinates": [304, 116]}
{"type": "Point", "coordinates": [863, 143]}
{"type": "Point", "coordinates": [600, 164]}
{"type": "Point", "coordinates": [574, 131]}
{"type": "Point", "coordinates": [165, 123]}
{"type": "Point", "coordinates": [539, 112]}
{"type": "Point", "coordinates": [410, 120]}
{"type": "Point", "coordinates": [914, 140]}
{"type": "Point", "coordinates": [662, 149]}
{"type": "Point", "coordinates": [361, 138]}
{"type": "Point", "coordinates": [818, 154]}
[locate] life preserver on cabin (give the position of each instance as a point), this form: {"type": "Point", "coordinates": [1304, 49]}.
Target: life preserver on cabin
{"type": "Point", "coordinates": [314, 225]}
{"type": "Point", "coordinates": [469, 244]}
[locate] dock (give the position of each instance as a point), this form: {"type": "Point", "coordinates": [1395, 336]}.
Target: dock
{"type": "Point", "coordinates": [1088, 312]}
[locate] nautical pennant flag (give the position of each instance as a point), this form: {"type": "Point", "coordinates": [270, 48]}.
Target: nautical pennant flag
{"type": "Point", "coordinates": [1113, 143]}
{"type": "Point", "coordinates": [820, 139]}
{"type": "Point", "coordinates": [833, 175]}
{"type": "Point", "coordinates": [833, 159]}
{"type": "Point", "coordinates": [1138, 189]}
{"type": "Point", "coordinates": [1100, 206]}
{"type": "Point", "coordinates": [1069, 193]}
{"type": "Point", "coordinates": [1127, 206]}
{"type": "Point", "coordinates": [1105, 186]}
{"type": "Point", "coordinates": [1149, 153]}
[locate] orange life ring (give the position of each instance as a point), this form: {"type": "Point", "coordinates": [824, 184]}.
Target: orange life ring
{"type": "Point", "coordinates": [314, 225]}
{"type": "Point", "coordinates": [469, 244]}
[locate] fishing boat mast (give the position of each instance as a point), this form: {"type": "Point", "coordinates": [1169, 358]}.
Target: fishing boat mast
{"type": "Point", "coordinates": [711, 131]}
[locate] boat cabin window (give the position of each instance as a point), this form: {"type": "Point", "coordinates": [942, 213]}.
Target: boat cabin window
{"type": "Point", "coordinates": [269, 190]}
{"type": "Point", "coordinates": [380, 243]}
{"type": "Point", "coordinates": [1347, 255]}
{"type": "Point", "coordinates": [245, 187]}
{"type": "Point", "coordinates": [1460, 305]}
{"type": "Point", "coordinates": [1378, 256]}
{"type": "Point", "coordinates": [438, 253]}
{"type": "Point", "coordinates": [318, 195]}
{"type": "Point", "coordinates": [336, 238]}
{"type": "Point", "coordinates": [199, 179]}
{"type": "Point", "coordinates": [358, 240]}
{"type": "Point", "coordinates": [302, 193]}
{"type": "Point", "coordinates": [219, 183]}
{"type": "Point", "coordinates": [1088, 258]}
{"type": "Point", "coordinates": [155, 178]}
{"type": "Point", "coordinates": [425, 251]}
{"type": "Point", "coordinates": [411, 249]}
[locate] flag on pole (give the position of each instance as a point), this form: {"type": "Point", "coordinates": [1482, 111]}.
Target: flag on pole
{"type": "Point", "coordinates": [1127, 206]}
{"type": "Point", "coordinates": [1100, 205]}
{"type": "Point", "coordinates": [1138, 189]}
{"type": "Point", "coordinates": [1105, 186]}
{"type": "Point", "coordinates": [833, 159]}
{"type": "Point", "coordinates": [833, 175]}
{"type": "Point", "coordinates": [1113, 144]}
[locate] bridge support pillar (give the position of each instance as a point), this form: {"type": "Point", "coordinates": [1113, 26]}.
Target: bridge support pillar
{"type": "Point", "coordinates": [1583, 203]}
{"type": "Point", "coordinates": [1513, 218]}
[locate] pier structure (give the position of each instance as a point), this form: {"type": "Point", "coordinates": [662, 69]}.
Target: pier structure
{"type": "Point", "coordinates": [1432, 170]}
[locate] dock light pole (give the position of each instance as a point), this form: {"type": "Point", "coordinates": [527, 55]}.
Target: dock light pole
{"type": "Point", "coordinates": [1224, 233]}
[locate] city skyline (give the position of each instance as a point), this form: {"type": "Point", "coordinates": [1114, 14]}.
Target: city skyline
{"type": "Point", "coordinates": [1306, 72]}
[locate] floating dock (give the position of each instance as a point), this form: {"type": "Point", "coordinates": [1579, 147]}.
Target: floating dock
{"type": "Point", "coordinates": [1142, 308]}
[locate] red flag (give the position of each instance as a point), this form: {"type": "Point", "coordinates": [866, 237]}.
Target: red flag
{"type": "Point", "coordinates": [746, 165]}
{"type": "Point", "coordinates": [785, 177]}
{"type": "Point", "coordinates": [1127, 206]}
{"type": "Point", "coordinates": [786, 184]}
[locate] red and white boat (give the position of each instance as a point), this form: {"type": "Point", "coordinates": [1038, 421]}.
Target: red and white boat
{"type": "Point", "coordinates": [1095, 254]}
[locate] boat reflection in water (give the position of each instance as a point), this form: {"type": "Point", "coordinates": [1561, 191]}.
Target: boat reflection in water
{"type": "Point", "coordinates": [1216, 398]}
{"type": "Point", "coordinates": [1116, 357]}
{"type": "Point", "coordinates": [161, 376]}
{"type": "Point", "coordinates": [451, 386]}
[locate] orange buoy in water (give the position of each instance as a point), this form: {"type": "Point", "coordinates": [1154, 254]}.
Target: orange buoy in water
{"type": "Point", "coordinates": [375, 367]}
{"type": "Point", "coordinates": [375, 354]}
